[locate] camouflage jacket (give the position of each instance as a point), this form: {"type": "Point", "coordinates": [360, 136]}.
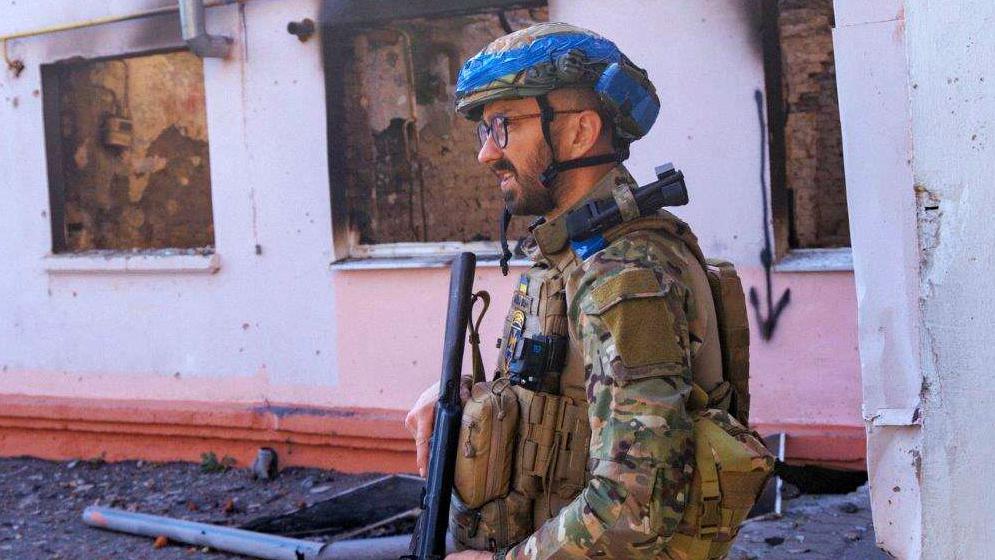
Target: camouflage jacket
{"type": "Point", "coordinates": [628, 309]}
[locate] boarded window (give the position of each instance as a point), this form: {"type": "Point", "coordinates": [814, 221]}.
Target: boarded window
{"type": "Point", "coordinates": [403, 164]}
{"type": "Point", "coordinates": [808, 187]}
{"type": "Point", "coordinates": [128, 153]}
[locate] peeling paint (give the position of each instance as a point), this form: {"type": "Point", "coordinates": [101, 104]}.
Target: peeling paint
{"type": "Point", "coordinates": [411, 171]}
{"type": "Point", "coordinates": [148, 187]}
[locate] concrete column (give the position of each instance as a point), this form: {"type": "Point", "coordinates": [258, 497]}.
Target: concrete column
{"type": "Point", "coordinates": [917, 105]}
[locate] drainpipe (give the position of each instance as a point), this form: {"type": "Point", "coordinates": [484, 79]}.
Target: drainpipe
{"type": "Point", "coordinates": [195, 32]}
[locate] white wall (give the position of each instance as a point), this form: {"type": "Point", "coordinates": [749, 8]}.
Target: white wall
{"type": "Point", "coordinates": [263, 322]}
{"type": "Point", "coordinates": [368, 338]}
{"type": "Point", "coordinates": [917, 104]}
{"type": "Point", "coordinates": [951, 53]}
{"type": "Point", "coordinates": [706, 61]}
{"type": "Point", "coordinates": [873, 86]}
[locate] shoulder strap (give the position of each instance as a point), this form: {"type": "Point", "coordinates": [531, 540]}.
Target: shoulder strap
{"type": "Point", "coordinates": [664, 221]}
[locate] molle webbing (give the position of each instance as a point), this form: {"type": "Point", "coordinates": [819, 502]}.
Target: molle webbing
{"type": "Point", "coordinates": [554, 433]}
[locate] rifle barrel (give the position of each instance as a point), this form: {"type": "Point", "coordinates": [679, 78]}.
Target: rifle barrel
{"type": "Point", "coordinates": [448, 413]}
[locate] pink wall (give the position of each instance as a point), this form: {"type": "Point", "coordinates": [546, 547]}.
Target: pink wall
{"type": "Point", "coordinates": [805, 381]}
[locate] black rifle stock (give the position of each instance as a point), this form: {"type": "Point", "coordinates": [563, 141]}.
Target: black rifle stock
{"type": "Point", "coordinates": [429, 540]}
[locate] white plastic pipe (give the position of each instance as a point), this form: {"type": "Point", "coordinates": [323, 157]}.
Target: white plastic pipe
{"type": "Point", "coordinates": [249, 543]}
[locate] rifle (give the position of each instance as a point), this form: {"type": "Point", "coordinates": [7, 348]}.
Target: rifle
{"type": "Point", "coordinates": [429, 539]}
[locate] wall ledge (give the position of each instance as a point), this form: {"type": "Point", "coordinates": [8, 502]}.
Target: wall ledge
{"type": "Point", "coordinates": [816, 260]}
{"type": "Point", "coordinates": [345, 439]}
{"type": "Point", "coordinates": [128, 262]}
{"type": "Point", "coordinates": [826, 445]}
{"type": "Point", "coordinates": [393, 263]}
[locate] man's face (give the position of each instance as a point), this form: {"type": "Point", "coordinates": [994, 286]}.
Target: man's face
{"type": "Point", "coordinates": [519, 165]}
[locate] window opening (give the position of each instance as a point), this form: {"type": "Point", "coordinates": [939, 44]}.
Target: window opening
{"type": "Point", "coordinates": [405, 180]}
{"type": "Point", "coordinates": [128, 153]}
{"type": "Point", "coordinates": [808, 190]}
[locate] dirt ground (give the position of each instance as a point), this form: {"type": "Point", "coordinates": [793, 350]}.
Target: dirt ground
{"type": "Point", "coordinates": [813, 527]}
{"type": "Point", "coordinates": [41, 503]}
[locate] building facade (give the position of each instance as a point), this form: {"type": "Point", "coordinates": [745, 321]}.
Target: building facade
{"type": "Point", "coordinates": [198, 256]}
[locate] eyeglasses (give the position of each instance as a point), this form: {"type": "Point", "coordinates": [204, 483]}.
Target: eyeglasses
{"type": "Point", "coordinates": [497, 128]}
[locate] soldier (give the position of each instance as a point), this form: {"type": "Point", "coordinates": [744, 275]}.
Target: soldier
{"type": "Point", "coordinates": [635, 314]}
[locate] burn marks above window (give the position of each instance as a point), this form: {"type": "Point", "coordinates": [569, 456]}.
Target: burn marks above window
{"type": "Point", "coordinates": [807, 182]}
{"type": "Point", "coordinates": [403, 164]}
{"type": "Point", "coordinates": [128, 153]}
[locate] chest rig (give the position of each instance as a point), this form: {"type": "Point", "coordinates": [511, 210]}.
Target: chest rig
{"type": "Point", "coordinates": [533, 347]}
{"type": "Point", "coordinates": [546, 372]}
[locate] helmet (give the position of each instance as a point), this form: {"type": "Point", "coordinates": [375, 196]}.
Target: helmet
{"type": "Point", "coordinates": [539, 59]}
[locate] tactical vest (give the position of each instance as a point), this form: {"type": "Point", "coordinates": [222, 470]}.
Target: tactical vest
{"type": "Point", "coordinates": [524, 446]}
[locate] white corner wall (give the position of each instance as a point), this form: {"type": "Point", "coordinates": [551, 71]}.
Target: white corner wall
{"type": "Point", "coordinates": [951, 54]}
{"type": "Point", "coordinates": [917, 103]}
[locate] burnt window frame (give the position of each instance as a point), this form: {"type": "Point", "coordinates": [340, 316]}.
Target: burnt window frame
{"type": "Point", "coordinates": [51, 93]}
{"type": "Point", "coordinates": [786, 257]}
{"type": "Point", "coordinates": [338, 17]}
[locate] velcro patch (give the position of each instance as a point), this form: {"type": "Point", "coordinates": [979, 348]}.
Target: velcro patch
{"type": "Point", "coordinates": [631, 282]}
{"type": "Point", "coordinates": [634, 308]}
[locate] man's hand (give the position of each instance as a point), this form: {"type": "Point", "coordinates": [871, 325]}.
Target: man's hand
{"type": "Point", "coordinates": [470, 555]}
{"type": "Point", "coordinates": [420, 421]}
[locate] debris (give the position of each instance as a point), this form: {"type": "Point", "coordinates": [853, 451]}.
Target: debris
{"type": "Point", "coordinates": [849, 507]}
{"type": "Point", "coordinates": [385, 500]}
{"type": "Point", "coordinates": [258, 545]}
{"type": "Point", "coordinates": [265, 467]}
{"type": "Point", "coordinates": [36, 498]}
{"type": "Point", "coordinates": [774, 541]}
{"type": "Point", "coordinates": [160, 542]}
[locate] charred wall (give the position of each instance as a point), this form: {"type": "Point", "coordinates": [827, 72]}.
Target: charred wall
{"type": "Point", "coordinates": [133, 169]}
{"type": "Point", "coordinates": [813, 165]}
{"type": "Point", "coordinates": [408, 170]}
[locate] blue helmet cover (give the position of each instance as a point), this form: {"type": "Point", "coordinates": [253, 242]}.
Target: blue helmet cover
{"type": "Point", "coordinates": [623, 90]}
{"type": "Point", "coordinates": [485, 68]}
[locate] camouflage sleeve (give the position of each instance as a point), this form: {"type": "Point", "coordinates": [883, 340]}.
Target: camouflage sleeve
{"type": "Point", "coordinates": [629, 314]}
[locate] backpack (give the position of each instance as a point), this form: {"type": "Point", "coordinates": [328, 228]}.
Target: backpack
{"type": "Point", "coordinates": [732, 465]}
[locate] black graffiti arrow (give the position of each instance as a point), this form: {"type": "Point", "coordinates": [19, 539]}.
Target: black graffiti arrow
{"type": "Point", "coordinates": [768, 323]}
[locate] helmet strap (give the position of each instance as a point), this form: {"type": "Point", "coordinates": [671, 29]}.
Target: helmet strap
{"type": "Point", "coordinates": [505, 251]}
{"type": "Point", "coordinates": [546, 116]}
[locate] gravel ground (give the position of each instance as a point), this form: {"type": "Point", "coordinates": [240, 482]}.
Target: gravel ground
{"type": "Point", "coordinates": [41, 503]}
{"type": "Point", "coordinates": [813, 527]}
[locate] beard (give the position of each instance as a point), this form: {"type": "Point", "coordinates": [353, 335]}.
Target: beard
{"type": "Point", "coordinates": [527, 196]}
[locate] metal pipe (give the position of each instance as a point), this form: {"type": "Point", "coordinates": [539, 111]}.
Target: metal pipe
{"type": "Point", "coordinates": [259, 545]}
{"type": "Point", "coordinates": [195, 32]}
{"type": "Point", "coordinates": [99, 21]}
{"type": "Point", "coordinates": [249, 543]}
